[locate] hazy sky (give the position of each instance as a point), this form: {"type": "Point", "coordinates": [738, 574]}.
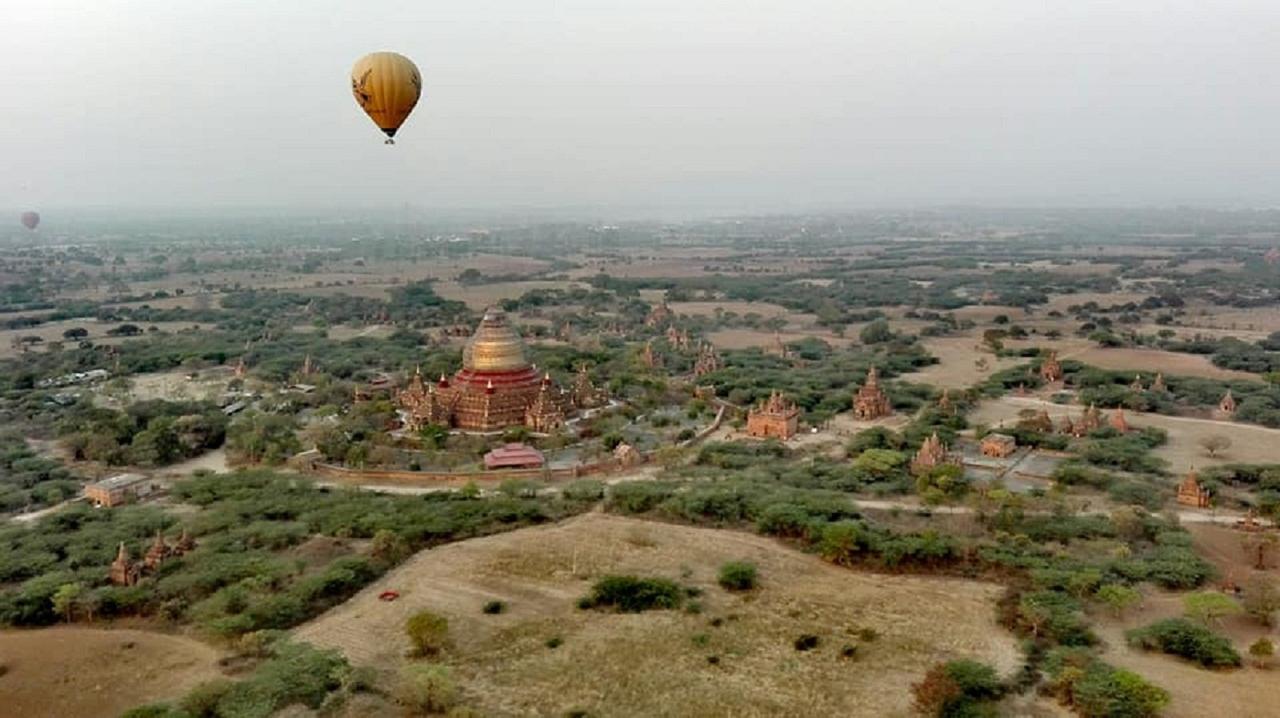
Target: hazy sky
{"type": "Point", "coordinates": [687, 104]}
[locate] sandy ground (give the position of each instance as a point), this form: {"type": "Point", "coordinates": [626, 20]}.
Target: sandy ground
{"type": "Point", "coordinates": [1251, 444]}
{"type": "Point", "coordinates": [656, 663]}
{"type": "Point", "coordinates": [1196, 692]}
{"type": "Point", "coordinates": [52, 332]}
{"type": "Point", "coordinates": [956, 368]}
{"type": "Point", "coordinates": [707, 309]}
{"type": "Point", "coordinates": [174, 385]}
{"type": "Point", "coordinates": [215, 461]}
{"type": "Point", "coordinates": [85, 672]}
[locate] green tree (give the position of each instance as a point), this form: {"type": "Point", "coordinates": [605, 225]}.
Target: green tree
{"type": "Point", "coordinates": [1262, 650]}
{"type": "Point", "coordinates": [65, 600]}
{"type": "Point", "coordinates": [426, 688]}
{"type": "Point", "coordinates": [1209, 606]}
{"type": "Point", "coordinates": [1118, 597]}
{"type": "Point", "coordinates": [877, 332]}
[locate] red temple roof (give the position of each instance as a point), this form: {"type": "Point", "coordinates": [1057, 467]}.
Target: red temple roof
{"type": "Point", "coordinates": [513, 455]}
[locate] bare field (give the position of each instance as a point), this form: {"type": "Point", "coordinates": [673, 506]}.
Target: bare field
{"type": "Point", "coordinates": [1250, 443]}
{"type": "Point", "coordinates": [87, 672]}
{"type": "Point", "coordinates": [52, 332]}
{"type": "Point", "coordinates": [956, 367]}
{"type": "Point", "coordinates": [707, 309]}
{"type": "Point", "coordinates": [1151, 360]}
{"type": "Point", "coordinates": [1244, 692]}
{"type": "Point", "coordinates": [656, 663]}
{"type": "Point", "coordinates": [1060, 302]}
{"type": "Point", "coordinates": [481, 296]}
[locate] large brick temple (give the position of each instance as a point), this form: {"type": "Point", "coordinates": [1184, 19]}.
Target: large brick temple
{"type": "Point", "coordinates": [496, 387]}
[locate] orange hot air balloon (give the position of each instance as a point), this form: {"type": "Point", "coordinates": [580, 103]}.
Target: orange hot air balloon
{"type": "Point", "coordinates": [30, 220]}
{"type": "Point", "coordinates": [387, 85]}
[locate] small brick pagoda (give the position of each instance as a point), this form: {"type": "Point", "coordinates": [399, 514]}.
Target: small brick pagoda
{"type": "Point", "coordinates": [933, 453]}
{"type": "Point", "coordinates": [1227, 406]}
{"type": "Point", "coordinates": [1191, 493]}
{"type": "Point", "coordinates": [1050, 369]}
{"type": "Point", "coordinates": [496, 387]}
{"type": "Point", "coordinates": [774, 418]}
{"type": "Point", "coordinates": [871, 402]}
{"type": "Point", "coordinates": [998, 446]}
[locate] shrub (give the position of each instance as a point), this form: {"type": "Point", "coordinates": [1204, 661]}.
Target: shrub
{"type": "Point", "coordinates": [738, 576]}
{"type": "Point", "coordinates": [957, 688]}
{"type": "Point", "coordinates": [1262, 650]}
{"type": "Point", "coordinates": [584, 490]}
{"type": "Point", "coordinates": [554, 642]}
{"type": "Point", "coordinates": [202, 701]}
{"type": "Point", "coordinates": [1180, 637]}
{"type": "Point", "coordinates": [630, 594]}
{"type": "Point", "coordinates": [1107, 691]}
{"type": "Point", "coordinates": [428, 632]}
{"type": "Point", "coordinates": [806, 642]}
{"type": "Point", "coordinates": [494, 607]}
{"type": "Point", "coordinates": [426, 688]}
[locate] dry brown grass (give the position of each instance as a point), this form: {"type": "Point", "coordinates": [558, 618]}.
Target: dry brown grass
{"type": "Point", "coordinates": [1149, 360]}
{"type": "Point", "coordinates": [956, 368]}
{"type": "Point", "coordinates": [655, 663]}
{"type": "Point", "coordinates": [86, 672]}
{"type": "Point", "coordinates": [480, 296]}
{"type": "Point", "coordinates": [1246, 692]}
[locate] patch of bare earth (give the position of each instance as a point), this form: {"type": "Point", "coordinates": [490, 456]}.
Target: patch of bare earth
{"type": "Point", "coordinates": [70, 672]}
{"type": "Point", "coordinates": [1194, 691]}
{"type": "Point", "coordinates": [657, 663]}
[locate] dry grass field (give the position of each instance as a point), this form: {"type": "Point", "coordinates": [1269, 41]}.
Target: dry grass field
{"type": "Point", "coordinates": [956, 367]}
{"type": "Point", "coordinates": [52, 332]}
{"type": "Point", "coordinates": [1250, 443]}
{"type": "Point", "coordinates": [87, 672]}
{"type": "Point", "coordinates": [747, 338]}
{"type": "Point", "coordinates": [1148, 360]}
{"type": "Point", "coordinates": [1196, 692]}
{"type": "Point", "coordinates": [656, 663]}
{"type": "Point", "coordinates": [480, 296]}
{"type": "Point", "coordinates": [707, 309]}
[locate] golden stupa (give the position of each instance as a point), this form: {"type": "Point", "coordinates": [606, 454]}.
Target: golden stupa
{"type": "Point", "coordinates": [496, 387]}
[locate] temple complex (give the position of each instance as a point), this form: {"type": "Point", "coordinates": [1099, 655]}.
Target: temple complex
{"type": "Point", "coordinates": [1158, 384]}
{"type": "Point", "coordinates": [660, 315]}
{"type": "Point", "coordinates": [708, 360]}
{"type": "Point", "coordinates": [774, 418]}
{"type": "Point", "coordinates": [1118, 421]}
{"type": "Point", "coordinates": [127, 572]}
{"type": "Point", "coordinates": [679, 338]}
{"type": "Point", "coordinates": [1191, 493]}
{"type": "Point", "coordinates": [1050, 369]}
{"type": "Point", "coordinates": [496, 387]}
{"type": "Point", "coordinates": [871, 402]}
{"type": "Point", "coordinates": [933, 453]}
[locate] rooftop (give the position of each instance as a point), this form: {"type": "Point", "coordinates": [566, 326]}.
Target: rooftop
{"type": "Point", "coordinates": [118, 482]}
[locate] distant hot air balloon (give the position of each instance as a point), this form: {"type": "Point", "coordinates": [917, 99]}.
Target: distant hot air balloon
{"type": "Point", "coordinates": [31, 220]}
{"type": "Point", "coordinates": [387, 86]}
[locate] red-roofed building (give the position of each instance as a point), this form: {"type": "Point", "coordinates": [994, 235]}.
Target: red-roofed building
{"type": "Point", "coordinates": [514, 456]}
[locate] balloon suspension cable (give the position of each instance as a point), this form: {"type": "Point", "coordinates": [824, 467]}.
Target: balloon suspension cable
{"type": "Point", "coordinates": [389, 141]}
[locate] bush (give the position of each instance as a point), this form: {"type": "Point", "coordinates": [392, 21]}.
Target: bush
{"type": "Point", "coordinates": [494, 607]}
{"type": "Point", "coordinates": [738, 576]}
{"type": "Point", "coordinates": [957, 688]}
{"type": "Point", "coordinates": [806, 642]}
{"type": "Point", "coordinates": [428, 632]}
{"type": "Point", "coordinates": [1097, 689]}
{"type": "Point", "coordinates": [1180, 637]}
{"type": "Point", "coordinates": [426, 688]}
{"type": "Point", "coordinates": [630, 594]}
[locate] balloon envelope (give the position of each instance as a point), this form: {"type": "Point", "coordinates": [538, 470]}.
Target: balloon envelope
{"type": "Point", "coordinates": [30, 220]}
{"type": "Point", "coordinates": [387, 86]}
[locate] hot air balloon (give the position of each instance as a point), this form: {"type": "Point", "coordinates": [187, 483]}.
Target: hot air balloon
{"type": "Point", "coordinates": [387, 86]}
{"type": "Point", "coordinates": [31, 220]}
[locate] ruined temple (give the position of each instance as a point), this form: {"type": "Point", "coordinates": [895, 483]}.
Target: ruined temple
{"type": "Point", "coordinates": [496, 387]}
{"type": "Point", "coordinates": [708, 360]}
{"type": "Point", "coordinates": [932, 453]}
{"type": "Point", "coordinates": [1137, 383]}
{"type": "Point", "coordinates": [1227, 406]}
{"type": "Point", "coordinates": [871, 402]}
{"type": "Point", "coordinates": [649, 357]}
{"type": "Point", "coordinates": [585, 394]}
{"type": "Point", "coordinates": [1050, 369]}
{"type": "Point", "coordinates": [1118, 421]}
{"type": "Point", "coordinates": [1158, 384]}
{"type": "Point", "coordinates": [660, 315]}
{"type": "Point", "coordinates": [776, 417]}
{"type": "Point", "coordinates": [1191, 493]}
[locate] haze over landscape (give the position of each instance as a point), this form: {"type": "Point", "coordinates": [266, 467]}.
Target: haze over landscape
{"type": "Point", "coordinates": [630, 359]}
{"type": "Point", "coordinates": [663, 107]}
